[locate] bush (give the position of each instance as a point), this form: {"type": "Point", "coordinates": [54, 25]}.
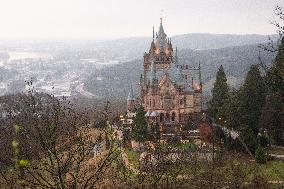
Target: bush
{"type": "Point", "coordinates": [262, 140]}
{"type": "Point", "coordinates": [260, 156]}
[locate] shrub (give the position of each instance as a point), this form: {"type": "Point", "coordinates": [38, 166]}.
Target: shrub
{"type": "Point", "coordinates": [260, 156]}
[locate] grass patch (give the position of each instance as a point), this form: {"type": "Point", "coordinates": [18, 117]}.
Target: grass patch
{"type": "Point", "coordinates": [180, 146]}
{"type": "Point", "coordinates": [133, 157]}
{"type": "Point", "coordinates": [273, 170]}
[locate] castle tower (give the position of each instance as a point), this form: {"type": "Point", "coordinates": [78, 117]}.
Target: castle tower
{"type": "Point", "coordinates": [130, 100]}
{"type": "Point", "coordinates": [160, 52]}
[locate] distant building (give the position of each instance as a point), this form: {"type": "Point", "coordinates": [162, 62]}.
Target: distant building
{"type": "Point", "coordinates": [169, 92]}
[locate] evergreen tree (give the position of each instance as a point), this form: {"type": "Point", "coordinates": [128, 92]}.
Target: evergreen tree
{"type": "Point", "coordinates": [219, 96]}
{"type": "Point", "coordinates": [139, 127]}
{"type": "Point", "coordinates": [272, 115]}
{"type": "Point", "coordinates": [275, 75]}
{"type": "Point", "coordinates": [252, 99]}
{"type": "Point", "coordinates": [272, 119]}
{"type": "Point", "coordinates": [232, 111]}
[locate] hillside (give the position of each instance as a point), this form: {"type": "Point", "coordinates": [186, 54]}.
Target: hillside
{"type": "Point", "coordinates": [133, 48]}
{"type": "Point", "coordinates": [115, 80]}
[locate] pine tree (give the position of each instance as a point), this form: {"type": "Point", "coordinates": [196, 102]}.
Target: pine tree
{"type": "Point", "coordinates": [219, 96]}
{"type": "Point", "coordinates": [252, 99]}
{"type": "Point", "coordinates": [232, 111]}
{"type": "Point", "coordinates": [275, 75]}
{"type": "Point", "coordinates": [139, 130]}
{"type": "Point", "coordinates": [272, 118]}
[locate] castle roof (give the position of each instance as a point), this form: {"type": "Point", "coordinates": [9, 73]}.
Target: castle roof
{"type": "Point", "coordinates": [154, 114]}
{"type": "Point", "coordinates": [176, 74]}
{"type": "Point", "coordinates": [161, 37]}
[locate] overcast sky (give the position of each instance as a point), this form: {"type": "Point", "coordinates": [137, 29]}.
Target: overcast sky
{"type": "Point", "coordinates": [129, 18]}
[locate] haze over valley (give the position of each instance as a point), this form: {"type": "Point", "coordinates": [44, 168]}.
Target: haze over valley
{"type": "Point", "coordinates": [105, 69]}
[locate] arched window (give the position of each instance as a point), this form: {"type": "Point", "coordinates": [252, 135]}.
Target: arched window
{"type": "Point", "coordinates": [173, 116]}
{"type": "Point", "coordinates": [167, 117]}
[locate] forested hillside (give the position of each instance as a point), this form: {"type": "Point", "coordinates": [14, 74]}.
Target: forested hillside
{"type": "Point", "coordinates": [115, 80]}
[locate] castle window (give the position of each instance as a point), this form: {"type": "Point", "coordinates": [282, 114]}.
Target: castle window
{"type": "Point", "coordinates": [167, 117]}
{"type": "Point", "coordinates": [185, 77]}
{"type": "Point", "coordinates": [161, 117]}
{"type": "Point", "coordinates": [186, 67]}
{"type": "Point", "coordinates": [150, 103]}
{"type": "Point", "coordinates": [153, 103]}
{"type": "Point", "coordinates": [173, 116]}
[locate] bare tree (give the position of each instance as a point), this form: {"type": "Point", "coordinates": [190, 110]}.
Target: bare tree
{"type": "Point", "coordinates": [53, 145]}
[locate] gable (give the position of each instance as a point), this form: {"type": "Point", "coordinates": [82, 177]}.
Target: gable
{"type": "Point", "coordinates": [166, 86]}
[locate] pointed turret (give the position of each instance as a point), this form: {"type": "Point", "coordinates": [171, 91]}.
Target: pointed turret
{"type": "Point", "coordinates": [141, 79]}
{"type": "Point", "coordinates": [161, 37]}
{"type": "Point", "coordinates": [199, 76]}
{"type": "Point", "coordinates": [130, 99]}
{"type": "Point", "coordinates": [152, 48]}
{"type": "Point", "coordinates": [161, 29]}
{"type": "Point", "coordinates": [153, 34]}
{"type": "Point", "coordinates": [176, 56]}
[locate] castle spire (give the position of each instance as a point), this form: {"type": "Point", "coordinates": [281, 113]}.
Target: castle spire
{"type": "Point", "coordinates": [176, 56]}
{"type": "Point", "coordinates": [130, 100]}
{"type": "Point", "coordinates": [153, 33]}
{"type": "Point", "coordinates": [199, 75]}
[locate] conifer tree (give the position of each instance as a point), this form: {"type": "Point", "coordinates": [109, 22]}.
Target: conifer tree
{"type": "Point", "coordinates": [252, 99]}
{"type": "Point", "coordinates": [275, 75]}
{"type": "Point", "coordinates": [232, 111]}
{"type": "Point", "coordinates": [219, 96]}
{"type": "Point", "coordinates": [272, 118]}
{"type": "Point", "coordinates": [139, 127]}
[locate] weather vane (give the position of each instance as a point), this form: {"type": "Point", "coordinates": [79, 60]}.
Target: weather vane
{"type": "Point", "coordinates": [161, 15]}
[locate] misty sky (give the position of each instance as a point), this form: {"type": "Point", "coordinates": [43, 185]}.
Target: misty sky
{"type": "Point", "coordinates": [64, 19]}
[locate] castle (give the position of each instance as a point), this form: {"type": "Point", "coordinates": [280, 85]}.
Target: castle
{"type": "Point", "coordinates": [169, 92]}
